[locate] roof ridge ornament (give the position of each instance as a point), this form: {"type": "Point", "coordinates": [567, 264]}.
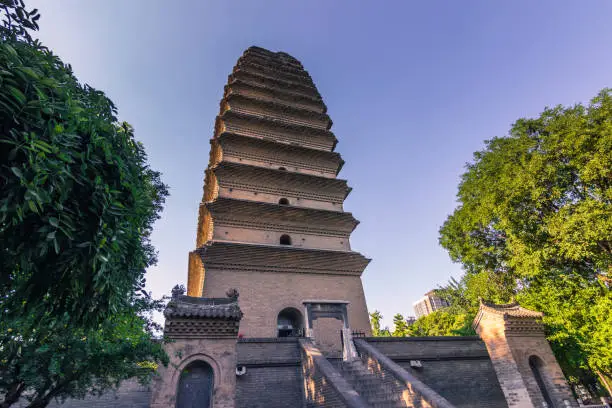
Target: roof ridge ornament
{"type": "Point", "coordinates": [233, 294]}
{"type": "Point", "coordinates": [177, 291]}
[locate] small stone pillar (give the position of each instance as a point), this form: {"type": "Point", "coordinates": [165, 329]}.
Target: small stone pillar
{"type": "Point", "coordinates": [526, 368]}
{"type": "Point", "coordinates": [200, 330]}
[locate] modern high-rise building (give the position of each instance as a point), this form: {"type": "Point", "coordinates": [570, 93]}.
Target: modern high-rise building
{"type": "Point", "coordinates": [428, 304]}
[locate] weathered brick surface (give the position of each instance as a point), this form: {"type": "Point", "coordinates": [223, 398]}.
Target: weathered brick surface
{"type": "Point", "coordinates": [457, 368]}
{"type": "Point", "coordinates": [253, 351]}
{"type": "Point", "coordinates": [417, 348]}
{"type": "Point", "coordinates": [492, 332]}
{"type": "Point", "coordinates": [413, 392]}
{"type": "Point", "coordinates": [270, 387]}
{"type": "Point", "coordinates": [513, 335]}
{"type": "Point", "coordinates": [273, 375]}
{"type": "Point", "coordinates": [263, 295]}
{"type": "Point", "coordinates": [129, 395]}
{"type": "Point", "coordinates": [220, 354]}
{"type": "Point", "coordinates": [465, 383]}
{"type": "Point", "coordinates": [556, 385]}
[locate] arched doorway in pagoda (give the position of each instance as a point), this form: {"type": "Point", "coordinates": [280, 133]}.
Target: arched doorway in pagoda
{"type": "Point", "coordinates": [290, 323]}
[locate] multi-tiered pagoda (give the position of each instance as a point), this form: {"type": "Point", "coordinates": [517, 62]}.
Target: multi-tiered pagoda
{"type": "Point", "coordinates": [271, 222]}
{"type": "Point", "coordinates": [273, 283]}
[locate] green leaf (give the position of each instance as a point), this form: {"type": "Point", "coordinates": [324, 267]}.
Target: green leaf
{"type": "Point", "coordinates": [16, 171]}
{"type": "Point", "coordinates": [11, 50]}
{"type": "Point", "coordinates": [17, 94]}
{"type": "Point", "coordinates": [30, 72]}
{"type": "Point", "coordinates": [42, 145]}
{"type": "Point", "coordinates": [32, 206]}
{"type": "Point", "coordinates": [53, 221]}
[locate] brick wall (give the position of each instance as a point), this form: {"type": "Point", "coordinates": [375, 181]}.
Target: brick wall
{"type": "Point", "coordinates": [273, 377]}
{"type": "Point", "coordinates": [511, 341]}
{"type": "Point", "coordinates": [270, 387]}
{"type": "Point", "coordinates": [253, 351]}
{"type": "Point", "coordinates": [491, 330]}
{"type": "Point", "coordinates": [271, 236]}
{"type": "Point", "coordinates": [130, 394]}
{"type": "Point", "coordinates": [457, 368]}
{"type": "Point", "coordinates": [220, 354]}
{"type": "Point", "coordinates": [413, 391]}
{"type": "Point", "coordinates": [263, 295]}
{"type": "Point", "coordinates": [523, 347]}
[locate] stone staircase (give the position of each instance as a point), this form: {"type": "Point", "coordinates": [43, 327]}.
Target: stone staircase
{"type": "Point", "coordinates": [374, 389]}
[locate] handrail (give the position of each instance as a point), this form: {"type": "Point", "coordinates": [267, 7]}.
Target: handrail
{"type": "Point", "coordinates": [342, 388]}
{"type": "Point", "coordinates": [403, 376]}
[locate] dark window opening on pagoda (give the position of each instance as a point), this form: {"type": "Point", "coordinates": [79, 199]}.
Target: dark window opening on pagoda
{"type": "Point", "coordinates": [282, 168]}
{"type": "Point", "coordinates": [290, 323]}
{"type": "Point", "coordinates": [283, 201]}
{"type": "Point", "coordinates": [285, 239]}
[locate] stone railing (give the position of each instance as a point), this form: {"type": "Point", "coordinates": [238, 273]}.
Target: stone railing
{"type": "Point", "coordinates": [324, 386]}
{"type": "Point", "coordinates": [415, 393]}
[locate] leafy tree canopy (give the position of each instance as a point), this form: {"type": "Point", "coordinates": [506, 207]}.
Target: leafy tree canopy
{"type": "Point", "coordinates": [77, 205]}
{"type": "Point", "coordinates": [534, 224]}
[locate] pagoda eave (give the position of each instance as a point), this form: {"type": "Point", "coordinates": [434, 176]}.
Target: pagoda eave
{"type": "Point", "coordinates": [281, 107]}
{"type": "Point", "coordinates": [273, 122]}
{"type": "Point", "coordinates": [254, 174]}
{"type": "Point", "coordinates": [249, 212]}
{"type": "Point", "coordinates": [238, 256]}
{"type": "Point", "coordinates": [279, 83]}
{"type": "Point", "coordinates": [288, 94]}
{"type": "Point", "coordinates": [300, 151]}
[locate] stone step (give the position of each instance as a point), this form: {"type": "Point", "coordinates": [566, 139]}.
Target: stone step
{"type": "Point", "coordinates": [371, 387]}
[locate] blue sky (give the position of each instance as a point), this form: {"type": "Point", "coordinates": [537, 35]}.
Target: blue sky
{"type": "Point", "coordinates": [413, 88]}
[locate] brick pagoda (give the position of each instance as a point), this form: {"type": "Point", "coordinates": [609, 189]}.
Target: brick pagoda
{"type": "Point", "coordinates": [271, 222]}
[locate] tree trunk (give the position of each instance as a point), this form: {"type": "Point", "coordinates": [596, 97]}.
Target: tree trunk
{"type": "Point", "coordinates": [41, 401]}
{"type": "Point", "coordinates": [13, 395]}
{"type": "Point", "coordinates": [604, 382]}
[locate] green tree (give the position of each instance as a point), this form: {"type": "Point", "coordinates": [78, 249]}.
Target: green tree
{"type": "Point", "coordinates": [375, 321]}
{"type": "Point", "coordinates": [535, 220]}
{"type": "Point", "coordinates": [77, 205]}
{"type": "Point", "coordinates": [443, 323]}
{"type": "Point", "coordinates": [400, 326]}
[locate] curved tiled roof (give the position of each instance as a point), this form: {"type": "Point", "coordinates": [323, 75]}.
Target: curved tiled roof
{"type": "Point", "coordinates": [508, 309]}
{"type": "Point", "coordinates": [198, 307]}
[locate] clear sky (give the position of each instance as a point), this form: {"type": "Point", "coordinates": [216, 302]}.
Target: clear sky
{"type": "Point", "coordinates": [413, 88]}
